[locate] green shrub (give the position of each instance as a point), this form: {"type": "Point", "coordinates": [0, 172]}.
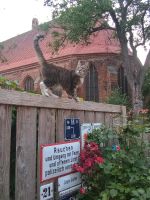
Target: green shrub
{"type": "Point", "coordinates": [7, 84]}
{"type": "Point", "coordinates": [124, 174]}
{"type": "Point", "coordinates": [118, 98]}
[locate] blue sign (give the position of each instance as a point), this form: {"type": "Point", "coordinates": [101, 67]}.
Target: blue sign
{"type": "Point", "coordinates": [72, 129]}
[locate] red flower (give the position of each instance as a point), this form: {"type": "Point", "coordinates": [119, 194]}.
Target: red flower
{"type": "Point", "coordinates": [144, 111]}
{"type": "Point", "coordinates": [82, 156]}
{"type": "Point", "coordinates": [82, 190]}
{"type": "Point", "coordinates": [85, 136]}
{"type": "Point", "coordinates": [78, 168]}
{"type": "Point", "coordinates": [99, 160]}
{"type": "Point", "coordinates": [93, 146]}
{"type": "Point", "coordinates": [88, 163]}
{"type": "Point", "coordinates": [118, 148]}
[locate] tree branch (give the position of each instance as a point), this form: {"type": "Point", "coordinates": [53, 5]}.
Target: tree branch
{"type": "Point", "coordinates": [101, 28]}
{"type": "Point", "coordinates": [128, 3]}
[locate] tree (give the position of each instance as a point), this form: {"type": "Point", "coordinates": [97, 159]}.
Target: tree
{"type": "Point", "coordinates": [128, 18]}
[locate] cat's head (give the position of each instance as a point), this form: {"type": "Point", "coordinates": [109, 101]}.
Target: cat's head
{"type": "Point", "coordinates": [82, 68]}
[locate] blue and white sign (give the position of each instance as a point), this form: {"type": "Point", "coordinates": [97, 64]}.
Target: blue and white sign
{"type": "Point", "coordinates": [72, 128]}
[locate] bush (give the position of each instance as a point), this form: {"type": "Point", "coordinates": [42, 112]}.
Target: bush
{"type": "Point", "coordinates": [7, 84]}
{"type": "Point", "coordinates": [113, 165]}
{"type": "Point", "coordinates": [118, 98]}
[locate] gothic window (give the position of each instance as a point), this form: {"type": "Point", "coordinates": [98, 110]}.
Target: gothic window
{"type": "Point", "coordinates": [122, 81]}
{"type": "Point", "coordinates": [112, 77]}
{"type": "Point", "coordinates": [29, 84]}
{"type": "Point", "coordinates": [91, 85]}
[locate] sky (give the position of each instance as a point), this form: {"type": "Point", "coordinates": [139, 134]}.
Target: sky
{"type": "Point", "coordinates": [16, 18]}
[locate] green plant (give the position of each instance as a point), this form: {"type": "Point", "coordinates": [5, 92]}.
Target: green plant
{"type": "Point", "coordinates": [125, 173]}
{"type": "Point", "coordinates": [8, 84]}
{"type": "Point", "coordinates": [118, 98]}
{"type": "Point", "coordinates": [44, 26]}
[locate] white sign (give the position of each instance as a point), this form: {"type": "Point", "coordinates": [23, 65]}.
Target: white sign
{"type": "Point", "coordinates": [96, 125]}
{"type": "Point", "coordinates": [87, 128]}
{"type": "Point", "coordinates": [57, 159]}
{"type": "Point", "coordinates": [69, 181]}
{"type": "Point", "coordinates": [46, 192]}
{"type": "Point", "coordinates": [69, 191]}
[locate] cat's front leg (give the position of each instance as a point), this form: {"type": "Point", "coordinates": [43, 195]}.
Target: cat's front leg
{"type": "Point", "coordinates": [75, 97]}
{"type": "Point", "coordinates": [44, 89]}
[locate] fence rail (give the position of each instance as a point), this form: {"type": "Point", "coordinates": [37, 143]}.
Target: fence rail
{"type": "Point", "coordinates": [29, 120]}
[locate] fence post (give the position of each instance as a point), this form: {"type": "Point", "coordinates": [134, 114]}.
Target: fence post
{"type": "Point", "coordinates": [5, 138]}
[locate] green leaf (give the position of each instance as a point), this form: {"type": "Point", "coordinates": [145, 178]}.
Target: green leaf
{"type": "Point", "coordinates": [113, 193]}
{"type": "Point", "coordinates": [135, 193]}
{"type": "Point", "coordinates": [105, 196]}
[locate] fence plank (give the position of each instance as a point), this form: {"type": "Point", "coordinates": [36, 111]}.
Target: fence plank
{"type": "Point", "coordinates": [108, 119]}
{"type": "Point", "coordinates": [33, 100]}
{"type": "Point", "coordinates": [46, 128]}
{"type": "Point", "coordinates": [46, 135]}
{"type": "Point", "coordinates": [124, 115]}
{"type": "Point", "coordinates": [78, 114]}
{"type": "Point", "coordinates": [117, 120]}
{"type": "Point", "coordinates": [61, 115]}
{"type": "Point", "coordinates": [26, 153]}
{"type": "Point", "coordinates": [5, 137]}
{"type": "Point", "coordinates": [89, 117]}
{"type": "Point", "coordinates": [99, 117]}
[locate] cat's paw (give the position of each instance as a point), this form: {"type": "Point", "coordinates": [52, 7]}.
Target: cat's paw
{"type": "Point", "coordinates": [44, 89]}
{"type": "Point", "coordinates": [77, 99]}
{"type": "Point", "coordinates": [55, 96]}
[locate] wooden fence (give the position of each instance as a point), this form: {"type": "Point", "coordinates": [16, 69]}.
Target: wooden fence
{"type": "Point", "coordinates": [39, 120]}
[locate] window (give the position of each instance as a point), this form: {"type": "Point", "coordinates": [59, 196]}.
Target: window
{"type": "Point", "coordinates": [122, 81]}
{"type": "Point", "coordinates": [91, 85]}
{"type": "Point", "coordinates": [112, 77]}
{"type": "Point", "coordinates": [29, 84]}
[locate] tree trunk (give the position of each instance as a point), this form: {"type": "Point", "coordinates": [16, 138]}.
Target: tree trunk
{"type": "Point", "coordinates": [133, 72]}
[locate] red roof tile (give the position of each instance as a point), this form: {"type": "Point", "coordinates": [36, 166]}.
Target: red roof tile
{"type": "Point", "coordinates": [19, 50]}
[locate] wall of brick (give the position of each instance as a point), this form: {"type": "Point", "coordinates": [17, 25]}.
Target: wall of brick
{"type": "Point", "coordinates": [101, 63]}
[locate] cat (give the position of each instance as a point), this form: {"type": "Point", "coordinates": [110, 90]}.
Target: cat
{"type": "Point", "coordinates": [55, 78]}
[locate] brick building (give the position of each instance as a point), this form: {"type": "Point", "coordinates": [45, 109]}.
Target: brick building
{"type": "Point", "coordinates": [18, 62]}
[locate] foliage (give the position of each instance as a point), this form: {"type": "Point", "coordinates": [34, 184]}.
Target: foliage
{"type": "Point", "coordinates": [79, 18]}
{"type": "Point", "coordinates": [44, 26]}
{"type": "Point", "coordinates": [118, 98]}
{"type": "Point", "coordinates": [122, 171]}
{"type": "Point", "coordinates": [5, 83]}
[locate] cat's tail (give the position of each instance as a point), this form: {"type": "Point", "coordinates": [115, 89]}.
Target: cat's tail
{"type": "Point", "coordinates": [38, 49]}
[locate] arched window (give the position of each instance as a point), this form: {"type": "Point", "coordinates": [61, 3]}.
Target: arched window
{"type": "Point", "coordinates": [112, 77]}
{"type": "Point", "coordinates": [91, 85]}
{"type": "Point", "coordinates": [122, 81]}
{"type": "Point", "coordinates": [29, 84]}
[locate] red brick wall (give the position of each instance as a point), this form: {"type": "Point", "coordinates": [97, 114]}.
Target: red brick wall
{"type": "Point", "coordinates": [100, 62]}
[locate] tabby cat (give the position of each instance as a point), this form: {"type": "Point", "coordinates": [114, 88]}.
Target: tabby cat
{"type": "Point", "coordinates": [55, 78]}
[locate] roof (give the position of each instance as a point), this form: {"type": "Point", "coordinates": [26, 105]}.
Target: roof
{"type": "Point", "coordinates": [19, 50]}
